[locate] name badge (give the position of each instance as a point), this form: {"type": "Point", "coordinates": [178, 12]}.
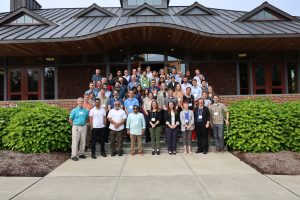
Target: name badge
{"type": "Point", "coordinates": [80, 113]}
{"type": "Point", "coordinates": [130, 107]}
{"type": "Point", "coordinates": [200, 117]}
{"type": "Point", "coordinates": [186, 121]}
{"type": "Point", "coordinates": [179, 99]}
{"type": "Point", "coordinates": [216, 113]}
{"type": "Point", "coordinates": [145, 85]}
{"type": "Point", "coordinates": [153, 119]}
{"type": "Point", "coordinates": [103, 106]}
{"type": "Point", "coordinates": [190, 104]}
{"type": "Point", "coordinates": [195, 95]}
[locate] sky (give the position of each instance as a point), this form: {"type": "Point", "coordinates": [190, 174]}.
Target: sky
{"type": "Point", "coordinates": [290, 6]}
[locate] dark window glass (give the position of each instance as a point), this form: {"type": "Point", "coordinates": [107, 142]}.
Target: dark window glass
{"type": "Point", "coordinates": [33, 80]}
{"type": "Point", "coordinates": [15, 81]}
{"type": "Point", "coordinates": [292, 81]}
{"type": "Point", "coordinates": [25, 60]}
{"type": "Point", "coordinates": [118, 56]}
{"type": "Point", "coordinates": [276, 75]}
{"type": "Point", "coordinates": [49, 83]}
{"type": "Point", "coordinates": [260, 91]}
{"type": "Point", "coordinates": [15, 97]}
{"type": "Point", "coordinates": [276, 91]}
{"type": "Point", "coordinates": [1, 84]}
{"type": "Point", "coordinates": [244, 81]}
{"type": "Point", "coordinates": [95, 58]}
{"type": "Point", "coordinates": [260, 75]}
{"type": "Point", "coordinates": [33, 97]}
{"type": "Point", "coordinates": [268, 56]}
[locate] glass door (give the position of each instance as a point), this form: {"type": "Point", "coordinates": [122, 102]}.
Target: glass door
{"type": "Point", "coordinates": [269, 78]}
{"type": "Point", "coordinates": [24, 84]}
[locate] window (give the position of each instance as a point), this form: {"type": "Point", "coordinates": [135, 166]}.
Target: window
{"type": "Point", "coordinates": [141, 2]}
{"type": "Point", "coordinates": [264, 15]}
{"type": "Point", "coordinates": [148, 57]}
{"type": "Point", "coordinates": [292, 81]}
{"type": "Point", "coordinates": [1, 84]}
{"type": "Point", "coordinates": [49, 74]}
{"type": "Point", "coordinates": [244, 81]}
{"type": "Point", "coordinates": [25, 19]}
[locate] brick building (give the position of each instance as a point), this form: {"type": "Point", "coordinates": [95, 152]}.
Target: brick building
{"type": "Point", "coordinates": [52, 53]}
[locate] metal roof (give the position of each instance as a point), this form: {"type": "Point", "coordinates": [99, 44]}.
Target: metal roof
{"type": "Point", "coordinates": [67, 25]}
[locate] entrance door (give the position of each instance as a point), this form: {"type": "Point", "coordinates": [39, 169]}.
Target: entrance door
{"type": "Point", "coordinates": [24, 84]}
{"type": "Point", "coordinates": [269, 78]}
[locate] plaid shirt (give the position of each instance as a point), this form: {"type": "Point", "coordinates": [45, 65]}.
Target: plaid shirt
{"type": "Point", "coordinates": [217, 112]}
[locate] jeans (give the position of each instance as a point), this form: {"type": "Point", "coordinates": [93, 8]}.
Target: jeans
{"type": "Point", "coordinates": [155, 137]}
{"type": "Point", "coordinates": [171, 137]}
{"type": "Point", "coordinates": [187, 138]}
{"type": "Point", "coordinates": [98, 133]}
{"type": "Point", "coordinates": [218, 131]}
{"type": "Point", "coordinates": [202, 137]}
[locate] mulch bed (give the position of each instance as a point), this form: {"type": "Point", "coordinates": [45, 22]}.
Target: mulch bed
{"type": "Point", "coordinates": [30, 165]}
{"type": "Point", "coordinates": [281, 163]}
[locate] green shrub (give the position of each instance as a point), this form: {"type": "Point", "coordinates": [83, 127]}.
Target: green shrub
{"type": "Point", "coordinates": [256, 126]}
{"type": "Point", "coordinates": [36, 128]}
{"type": "Point", "coordinates": [290, 120]}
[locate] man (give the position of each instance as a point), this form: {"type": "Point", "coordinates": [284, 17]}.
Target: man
{"type": "Point", "coordinates": [103, 99]}
{"type": "Point", "coordinates": [179, 77]}
{"type": "Point", "coordinates": [172, 98]}
{"type": "Point", "coordinates": [78, 119]}
{"type": "Point", "coordinates": [130, 103]}
{"type": "Point", "coordinates": [133, 82]}
{"type": "Point", "coordinates": [188, 76]}
{"type": "Point", "coordinates": [115, 97]}
{"type": "Point", "coordinates": [155, 77]}
{"type": "Point", "coordinates": [97, 77]}
{"type": "Point", "coordinates": [117, 118]}
{"type": "Point", "coordinates": [98, 123]}
{"type": "Point", "coordinates": [174, 73]}
{"type": "Point", "coordinates": [134, 73]}
{"type": "Point", "coordinates": [197, 77]}
{"type": "Point", "coordinates": [173, 83]}
{"type": "Point", "coordinates": [202, 119]}
{"type": "Point", "coordinates": [196, 90]}
{"type": "Point", "coordinates": [153, 86]}
{"type": "Point", "coordinates": [88, 106]}
{"type": "Point", "coordinates": [123, 89]}
{"type": "Point", "coordinates": [207, 102]}
{"type": "Point", "coordinates": [126, 76]}
{"type": "Point", "coordinates": [204, 86]}
{"type": "Point", "coordinates": [119, 75]}
{"type": "Point", "coordinates": [136, 128]}
{"type": "Point", "coordinates": [92, 90]}
{"type": "Point", "coordinates": [107, 92]}
{"type": "Point", "coordinates": [217, 111]}
{"type": "Point", "coordinates": [139, 71]}
{"type": "Point", "coordinates": [185, 84]}
{"type": "Point", "coordinates": [149, 73]}
{"type": "Point", "coordinates": [144, 80]}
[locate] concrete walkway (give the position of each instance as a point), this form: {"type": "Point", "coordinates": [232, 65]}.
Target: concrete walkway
{"type": "Point", "coordinates": [164, 177]}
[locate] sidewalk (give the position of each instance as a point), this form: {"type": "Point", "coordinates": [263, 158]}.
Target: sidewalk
{"type": "Point", "coordinates": [164, 177]}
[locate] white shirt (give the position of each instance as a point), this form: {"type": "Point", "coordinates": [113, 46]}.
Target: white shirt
{"type": "Point", "coordinates": [107, 93]}
{"type": "Point", "coordinates": [184, 86]}
{"type": "Point", "coordinates": [117, 116]}
{"type": "Point", "coordinates": [98, 117]}
{"type": "Point", "coordinates": [198, 80]}
{"type": "Point", "coordinates": [149, 75]}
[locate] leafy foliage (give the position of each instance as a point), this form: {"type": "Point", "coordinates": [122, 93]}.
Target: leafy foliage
{"type": "Point", "coordinates": [35, 128]}
{"type": "Point", "coordinates": [263, 126]}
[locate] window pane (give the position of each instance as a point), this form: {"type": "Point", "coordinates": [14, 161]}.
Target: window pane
{"type": "Point", "coordinates": [243, 76]}
{"type": "Point", "coordinates": [155, 57]}
{"type": "Point", "coordinates": [260, 75]}
{"type": "Point", "coordinates": [15, 81]}
{"type": "Point", "coordinates": [292, 82]}
{"type": "Point", "coordinates": [131, 2]}
{"type": "Point", "coordinates": [261, 91]}
{"type": "Point", "coordinates": [1, 84]}
{"type": "Point", "coordinates": [276, 75]}
{"type": "Point", "coordinates": [49, 83]}
{"type": "Point", "coordinates": [33, 80]}
{"type": "Point", "coordinates": [28, 19]}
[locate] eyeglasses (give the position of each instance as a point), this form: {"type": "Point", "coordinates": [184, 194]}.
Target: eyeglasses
{"type": "Point", "coordinates": [135, 108]}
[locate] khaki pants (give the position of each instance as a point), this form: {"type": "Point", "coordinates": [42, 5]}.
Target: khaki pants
{"type": "Point", "coordinates": [133, 139]}
{"type": "Point", "coordinates": [116, 136]}
{"type": "Point", "coordinates": [78, 138]}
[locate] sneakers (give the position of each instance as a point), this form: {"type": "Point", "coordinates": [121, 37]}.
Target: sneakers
{"type": "Point", "coordinates": [82, 156]}
{"type": "Point", "coordinates": [74, 158]}
{"type": "Point", "coordinates": [153, 152]}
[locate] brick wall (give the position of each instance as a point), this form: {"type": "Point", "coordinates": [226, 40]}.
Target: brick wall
{"type": "Point", "coordinates": [222, 76]}
{"type": "Point", "coordinates": [74, 80]}
{"type": "Point", "coordinates": [71, 103]}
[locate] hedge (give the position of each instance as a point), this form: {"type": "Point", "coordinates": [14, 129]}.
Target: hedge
{"type": "Point", "coordinates": [263, 126]}
{"type": "Point", "coordinates": [35, 128]}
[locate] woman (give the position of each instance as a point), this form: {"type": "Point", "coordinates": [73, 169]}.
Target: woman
{"type": "Point", "coordinates": [172, 122]}
{"type": "Point", "coordinates": [145, 93]}
{"type": "Point", "coordinates": [187, 126]}
{"type": "Point", "coordinates": [137, 95]}
{"type": "Point", "coordinates": [162, 99]}
{"type": "Point", "coordinates": [161, 81]}
{"type": "Point", "coordinates": [144, 80]}
{"type": "Point", "coordinates": [139, 89]}
{"type": "Point", "coordinates": [179, 95]}
{"type": "Point", "coordinates": [211, 94]}
{"type": "Point", "coordinates": [189, 98]}
{"type": "Point", "coordinates": [146, 107]}
{"type": "Point", "coordinates": [154, 119]}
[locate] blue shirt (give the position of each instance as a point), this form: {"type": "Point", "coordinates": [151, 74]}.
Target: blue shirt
{"type": "Point", "coordinates": [111, 102]}
{"type": "Point", "coordinates": [95, 91]}
{"type": "Point", "coordinates": [151, 89]}
{"type": "Point", "coordinates": [131, 85]}
{"type": "Point", "coordinates": [96, 78]}
{"type": "Point", "coordinates": [129, 103]}
{"type": "Point", "coordinates": [79, 116]}
{"type": "Point", "coordinates": [136, 123]}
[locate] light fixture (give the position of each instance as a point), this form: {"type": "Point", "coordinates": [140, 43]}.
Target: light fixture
{"type": "Point", "coordinates": [172, 49]}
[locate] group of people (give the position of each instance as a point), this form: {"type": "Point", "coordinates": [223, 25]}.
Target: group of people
{"type": "Point", "coordinates": [147, 103]}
